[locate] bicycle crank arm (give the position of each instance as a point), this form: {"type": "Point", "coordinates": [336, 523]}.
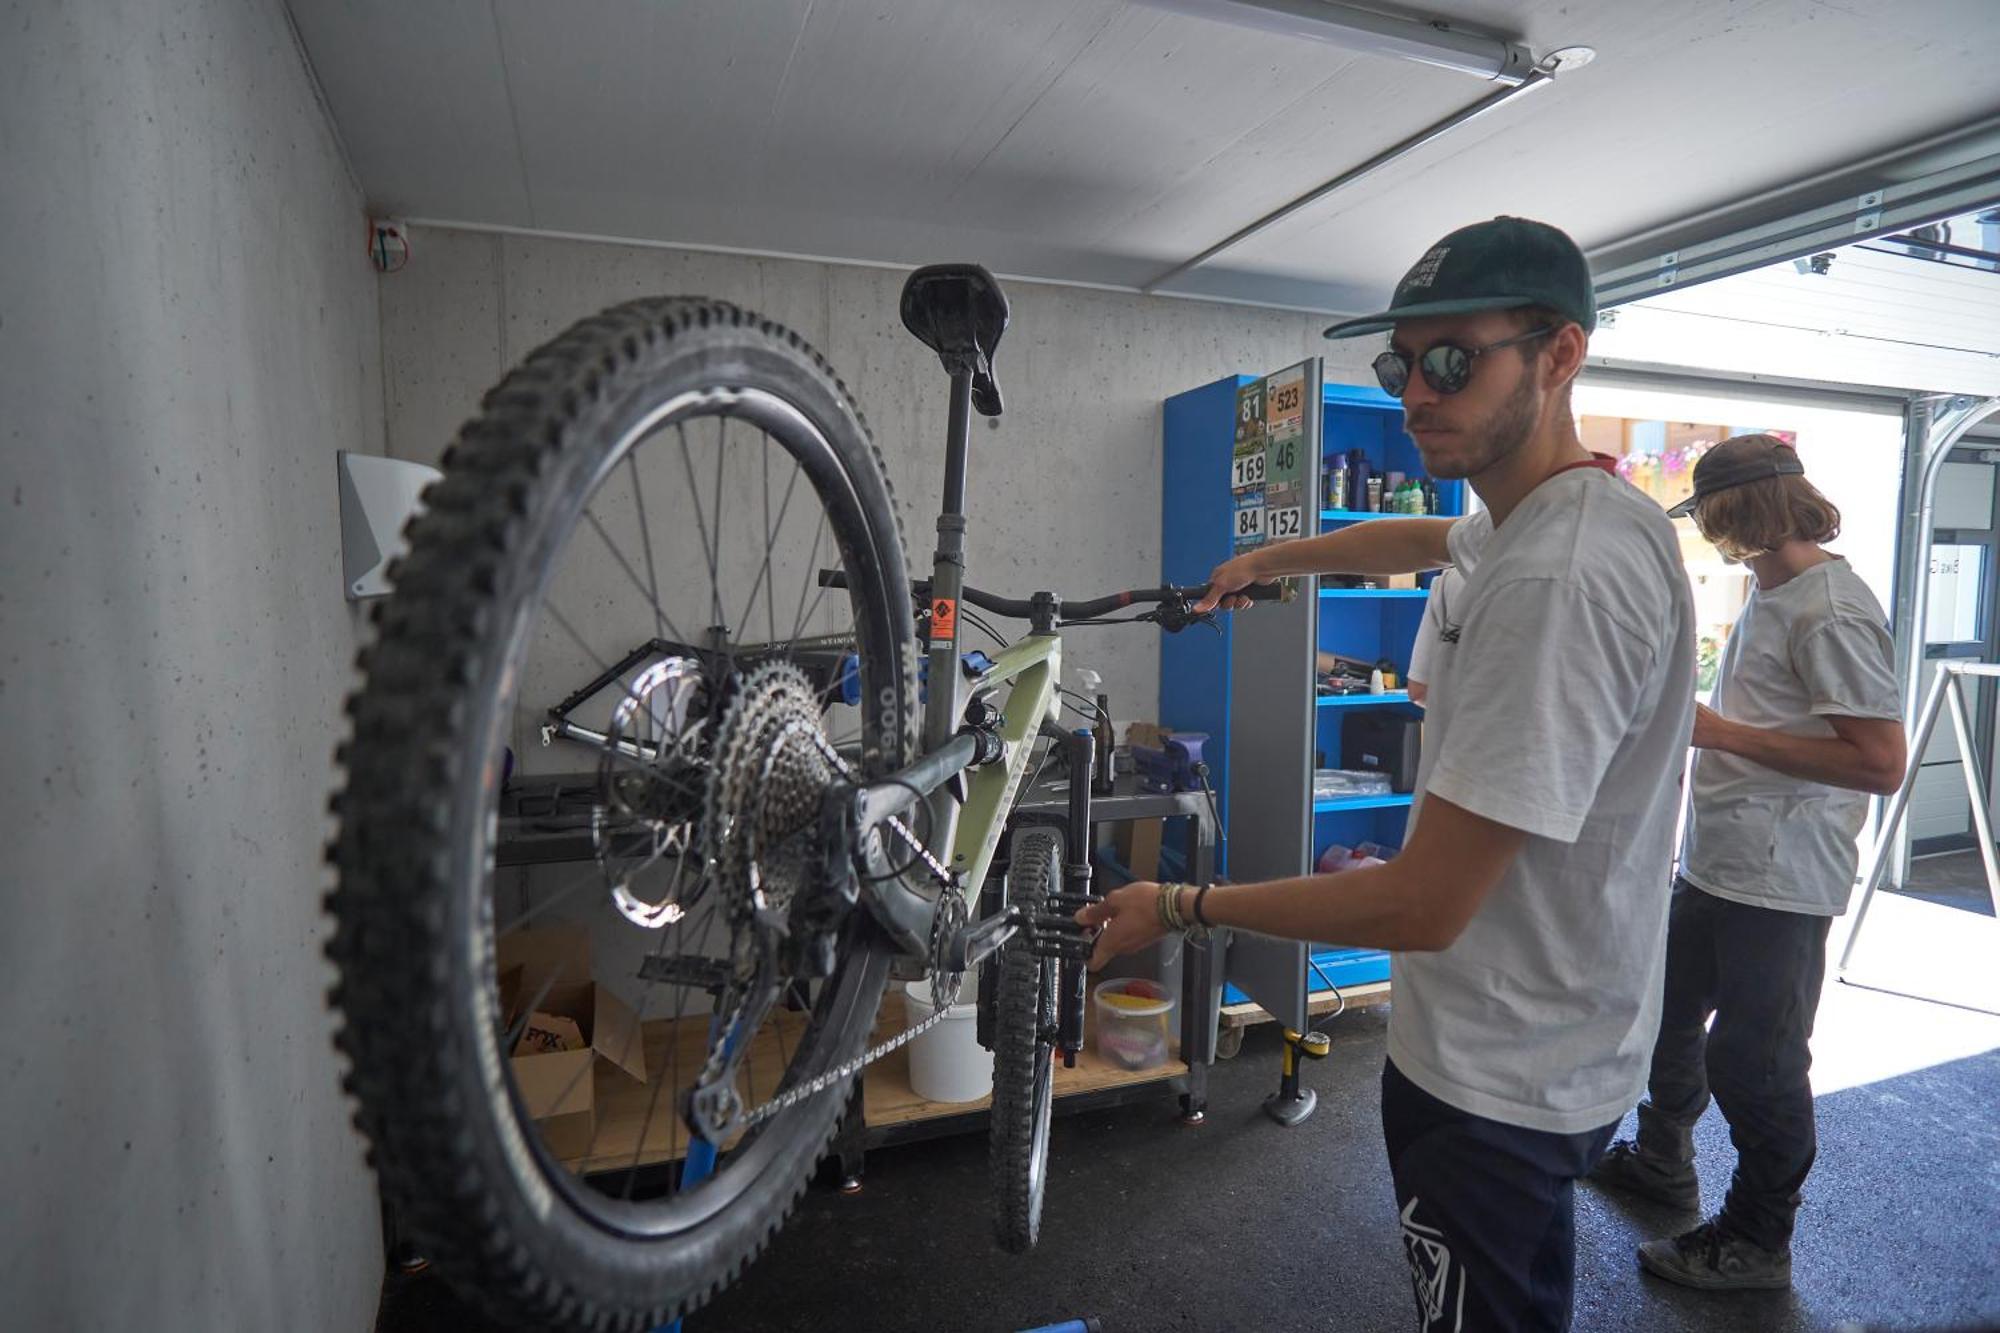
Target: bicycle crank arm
{"type": "Point", "coordinates": [979, 940]}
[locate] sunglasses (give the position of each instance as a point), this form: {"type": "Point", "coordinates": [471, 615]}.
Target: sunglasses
{"type": "Point", "coordinates": [1447, 367]}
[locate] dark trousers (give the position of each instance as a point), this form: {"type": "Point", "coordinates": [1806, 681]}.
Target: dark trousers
{"type": "Point", "coordinates": [1758, 971]}
{"type": "Point", "coordinates": [1488, 1212]}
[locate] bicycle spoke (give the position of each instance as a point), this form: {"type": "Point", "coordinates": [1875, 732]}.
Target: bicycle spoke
{"type": "Point", "coordinates": [811, 577]}
{"type": "Point", "coordinates": [638, 1034]}
{"type": "Point", "coordinates": [661, 619]}
{"type": "Point", "coordinates": [770, 543]}
{"type": "Point", "coordinates": [660, 622]}
{"type": "Point", "coordinates": [701, 523]}
{"type": "Point", "coordinates": [715, 550]}
{"type": "Point", "coordinates": [673, 1079]}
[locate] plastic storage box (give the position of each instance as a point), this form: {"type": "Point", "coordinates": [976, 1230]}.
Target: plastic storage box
{"type": "Point", "coordinates": [1134, 1023]}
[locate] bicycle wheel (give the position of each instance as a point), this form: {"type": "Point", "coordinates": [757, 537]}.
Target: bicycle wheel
{"type": "Point", "coordinates": [1024, 1050]}
{"type": "Point", "coordinates": [610, 643]}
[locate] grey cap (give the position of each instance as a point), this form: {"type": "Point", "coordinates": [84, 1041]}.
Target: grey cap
{"type": "Point", "coordinates": [1739, 462]}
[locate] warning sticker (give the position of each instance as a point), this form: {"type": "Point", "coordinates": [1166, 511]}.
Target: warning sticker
{"type": "Point", "coordinates": [944, 618]}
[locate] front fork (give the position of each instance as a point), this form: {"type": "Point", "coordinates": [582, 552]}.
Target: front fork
{"type": "Point", "coordinates": [1062, 940]}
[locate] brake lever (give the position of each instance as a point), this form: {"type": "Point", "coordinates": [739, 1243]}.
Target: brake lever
{"type": "Point", "coordinates": [1177, 615]}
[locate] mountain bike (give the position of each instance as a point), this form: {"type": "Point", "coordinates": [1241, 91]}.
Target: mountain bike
{"type": "Point", "coordinates": [667, 549]}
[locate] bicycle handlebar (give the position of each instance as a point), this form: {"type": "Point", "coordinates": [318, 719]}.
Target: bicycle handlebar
{"type": "Point", "coordinates": [1086, 609]}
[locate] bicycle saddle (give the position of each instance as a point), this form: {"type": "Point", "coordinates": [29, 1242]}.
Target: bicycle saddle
{"type": "Point", "coordinates": [959, 312]}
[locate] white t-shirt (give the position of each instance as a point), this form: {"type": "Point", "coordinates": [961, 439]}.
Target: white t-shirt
{"type": "Point", "coordinates": [1563, 688]}
{"type": "Point", "coordinates": [1815, 646]}
{"type": "Point", "coordinates": [1442, 588]}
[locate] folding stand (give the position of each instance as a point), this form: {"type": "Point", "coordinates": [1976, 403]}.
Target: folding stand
{"type": "Point", "coordinates": [1948, 688]}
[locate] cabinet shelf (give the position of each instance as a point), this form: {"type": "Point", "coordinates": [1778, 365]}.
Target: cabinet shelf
{"type": "Point", "coordinates": [1384, 699]}
{"type": "Point", "coordinates": [1339, 803]}
{"type": "Point", "coordinates": [1374, 592]}
{"type": "Point", "coordinates": [1358, 515]}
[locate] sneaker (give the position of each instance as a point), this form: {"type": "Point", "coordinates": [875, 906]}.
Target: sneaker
{"type": "Point", "coordinates": [1715, 1259]}
{"type": "Point", "coordinates": [1625, 1168]}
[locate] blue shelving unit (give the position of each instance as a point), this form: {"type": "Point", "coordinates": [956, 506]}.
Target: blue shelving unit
{"type": "Point", "coordinates": [1371, 624]}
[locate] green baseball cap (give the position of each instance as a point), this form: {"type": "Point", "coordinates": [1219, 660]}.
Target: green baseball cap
{"type": "Point", "coordinates": [1498, 265]}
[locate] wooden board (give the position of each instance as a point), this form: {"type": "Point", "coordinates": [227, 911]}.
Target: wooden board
{"type": "Point", "coordinates": [1320, 1002]}
{"type": "Point", "coordinates": [888, 1099]}
{"type": "Point", "coordinates": [628, 1110]}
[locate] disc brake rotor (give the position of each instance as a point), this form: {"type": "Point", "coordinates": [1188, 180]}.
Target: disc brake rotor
{"type": "Point", "coordinates": [651, 776]}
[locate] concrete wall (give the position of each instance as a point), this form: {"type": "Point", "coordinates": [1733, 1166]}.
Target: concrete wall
{"type": "Point", "coordinates": [1064, 489]}
{"type": "Point", "coordinates": [188, 331]}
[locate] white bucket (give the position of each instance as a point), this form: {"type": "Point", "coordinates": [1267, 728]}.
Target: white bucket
{"type": "Point", "coordinates": [947, 1063]}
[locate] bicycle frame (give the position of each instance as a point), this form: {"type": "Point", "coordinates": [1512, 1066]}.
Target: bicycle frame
{"type": "Point", "coordinates": [1032, 669]}
{"type": "Point", "coordinates": [970, 815]}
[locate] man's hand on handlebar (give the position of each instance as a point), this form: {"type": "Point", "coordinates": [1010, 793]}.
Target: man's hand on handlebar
{"type": "Point", "coordinates": [1227, 581]}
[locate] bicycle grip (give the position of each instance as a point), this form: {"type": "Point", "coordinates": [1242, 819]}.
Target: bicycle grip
{"type": "Point", "coordinates": [1284, 590]}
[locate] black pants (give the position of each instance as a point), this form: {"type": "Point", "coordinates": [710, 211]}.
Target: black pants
{"type": "Point", "coordinates": [1758, 971]}
{"type": "Point", "coordinates": [1488, 1212]}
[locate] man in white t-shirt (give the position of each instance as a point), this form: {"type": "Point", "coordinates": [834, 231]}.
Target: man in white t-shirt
{"type": "Point", "coordinates": [1527, 915]}
{"type": "Point", "coordinates": [1807, 721]}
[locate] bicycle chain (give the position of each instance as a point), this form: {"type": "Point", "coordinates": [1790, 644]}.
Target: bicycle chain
{"type": "Point", "coordinates": [951, 915]}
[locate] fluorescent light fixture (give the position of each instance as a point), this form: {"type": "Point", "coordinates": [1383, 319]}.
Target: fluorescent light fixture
{"type": "Point", "coordinates": [1424, 41]}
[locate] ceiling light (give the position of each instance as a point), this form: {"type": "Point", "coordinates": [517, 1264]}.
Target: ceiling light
{"type": "Point", "coordinates": [1428, 42]}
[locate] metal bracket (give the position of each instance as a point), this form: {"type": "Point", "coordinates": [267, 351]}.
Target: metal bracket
{"type": "Point", "coordinates": [1870, 216]}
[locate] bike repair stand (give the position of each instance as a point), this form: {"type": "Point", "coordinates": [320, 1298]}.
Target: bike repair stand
{"type": "Point", "coordinates": [1291, 1103]}
{"type": "Point", "coordinates": [698, 1166]}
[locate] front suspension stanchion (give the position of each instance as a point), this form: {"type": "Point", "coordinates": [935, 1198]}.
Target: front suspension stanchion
{"type": "Point", "coordinates": [1068, 942]}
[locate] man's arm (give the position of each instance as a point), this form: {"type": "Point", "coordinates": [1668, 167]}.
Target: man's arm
{"type": "Point", "coordinates": [1401, 546]}
{"type": "Point", "coordinates": [1864, 753]}
{"type": "Point", "coordinates": [1421, 901]}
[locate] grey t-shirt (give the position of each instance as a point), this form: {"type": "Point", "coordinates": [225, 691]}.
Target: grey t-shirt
{"type": "Point", "coordinates": [1815, 646]}
{"type": "Point", "coordinates": [1563, 688]}
{"type": "Point", "coordinates": [1448, 581]}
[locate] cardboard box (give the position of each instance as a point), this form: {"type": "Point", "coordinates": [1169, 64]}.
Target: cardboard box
{"type": "Point", "coordinates": [559, 1087]}
{"type": "Point", "coordinates": [1138, 845]}
{"type": "Point", "coordinates": [1137, 841]}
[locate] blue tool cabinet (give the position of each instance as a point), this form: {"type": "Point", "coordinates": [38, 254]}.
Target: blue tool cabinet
{"type": "Point", "coordinates": [1251, 687]}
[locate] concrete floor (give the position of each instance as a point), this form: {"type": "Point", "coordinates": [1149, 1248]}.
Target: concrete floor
{"type": "Point", "coordinates": [1242, 1225]}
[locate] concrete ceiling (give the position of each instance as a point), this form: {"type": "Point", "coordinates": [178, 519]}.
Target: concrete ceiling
{"type": "Point", "coordinates": [1103, 142]}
